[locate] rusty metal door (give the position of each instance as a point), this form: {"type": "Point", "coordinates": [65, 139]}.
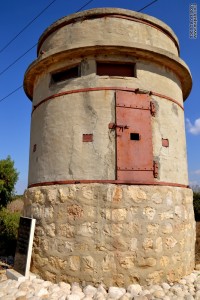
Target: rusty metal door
{"type": "Point", "coordinates": [134, 137]}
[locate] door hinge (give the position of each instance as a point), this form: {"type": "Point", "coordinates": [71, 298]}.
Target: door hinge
{"type": "Point", "coordinates": [153, 108]}
{"type": "Point", "coordinates": [142, 91]}
{"type": "Point", "coordinates": [155, 169]}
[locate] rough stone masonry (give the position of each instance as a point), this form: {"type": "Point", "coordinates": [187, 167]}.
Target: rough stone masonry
{"type": "Point", "coordinates": [108, 178]}
{"type": "Point", "coordinates": [112, 234]}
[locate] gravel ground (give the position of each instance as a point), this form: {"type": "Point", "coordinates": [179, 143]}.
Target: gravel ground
{"type": "Point", "coordinates": [187, 288]}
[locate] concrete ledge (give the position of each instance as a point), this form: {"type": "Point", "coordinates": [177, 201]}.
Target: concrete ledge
{"type": "Point", "coordinates": [14, 275]}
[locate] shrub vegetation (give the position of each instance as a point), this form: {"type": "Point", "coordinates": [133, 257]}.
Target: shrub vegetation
{"type": "Point", "coordinates": [9, 223]}
{"type": "Point", "coordinates": [196, 204]}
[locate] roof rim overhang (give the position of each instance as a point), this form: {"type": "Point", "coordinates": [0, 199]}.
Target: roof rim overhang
{"type": "Point", "coordinates": [148, 53]}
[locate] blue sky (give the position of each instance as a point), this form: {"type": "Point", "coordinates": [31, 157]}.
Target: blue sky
{"type": "Point", "coordinates": [15, 111]}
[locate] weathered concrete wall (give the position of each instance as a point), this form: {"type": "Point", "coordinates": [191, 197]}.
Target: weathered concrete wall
{"type": "Point", "coordinates": [57, 131]}
{"type": "Point", "coordinates": [112, 234]}
{"type": "Point", "coordinates": [173, 159]}
{"type": "Point", "coordinates": [159, 79]}
{"type": "Point", "coordinates": [58, 125]}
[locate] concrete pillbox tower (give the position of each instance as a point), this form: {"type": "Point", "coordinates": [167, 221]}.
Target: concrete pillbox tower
{"type": "Point", "coordinates": [108, 180]}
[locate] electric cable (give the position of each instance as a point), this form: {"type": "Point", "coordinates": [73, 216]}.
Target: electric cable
{"type": "Point", "coordinates": [11, 93]}
{"type": "Point", "coordinates": [16, 60]}
{"type": "Point", "coordinates": [25, 27]}
{"type": "Point", "coordinates": [141, 9]}
{"type": "Point", "coordinates": [18, 88]}
{"type": "Point", "coordinates": [84, 5]}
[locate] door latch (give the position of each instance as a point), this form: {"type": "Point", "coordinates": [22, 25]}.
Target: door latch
{"type": "Point", "coordinates": [114, 126]}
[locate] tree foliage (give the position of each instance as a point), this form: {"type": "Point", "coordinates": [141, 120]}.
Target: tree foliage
{"type": "Point", "coordinates": [8, 179]}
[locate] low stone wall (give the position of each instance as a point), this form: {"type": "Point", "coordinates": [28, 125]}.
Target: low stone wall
{"type": "Point", "coordinates": [115, 234]}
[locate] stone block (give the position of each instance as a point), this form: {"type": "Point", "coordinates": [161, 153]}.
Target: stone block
{"type": "Point", "coordinates": [108, 263]}
{"type": "Point", "coordinates": [74, 263]}
{"type": "Point", "coordinates": [146, 262]}
{"type": "Point", "coordinates": [127, 262]}
{"type": "Point", "coordinates": [66, 230]}
{"type": "Point", "coordinates": [159, 245]}
{"type": "Point", "coordinates": [170, 242]}
{"type": "Point", "coordinates": [167, 228]}
{"type": "Point", "coordinates": [88, 263]}
{"type": "Point", "coordinates": [149, 212]}
{"type": "Point", "coordinates": [153, 228]}
{"type": "Point", "coordinates": [147, 244]}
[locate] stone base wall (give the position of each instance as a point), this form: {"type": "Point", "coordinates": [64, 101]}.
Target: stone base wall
{"type": "Point", "coordinates": [114, 234]}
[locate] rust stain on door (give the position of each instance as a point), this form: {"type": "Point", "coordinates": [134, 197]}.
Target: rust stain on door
{"type": "Point", "coordinates": [134, 137]}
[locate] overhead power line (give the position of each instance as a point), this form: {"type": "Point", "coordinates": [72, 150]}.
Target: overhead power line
{"type": "Point", "coordinates": [21, 56]}
{"type": "Point", "coordinates": [16, 60]}
{"type": "Point", "coordinates": [25, 27]}
{"type": "Point", "coordinates": [86, 4]}
{"type": "Point", "coordinates": [141, 9]}
{"type": "Point", "coordinates": [11, 93]}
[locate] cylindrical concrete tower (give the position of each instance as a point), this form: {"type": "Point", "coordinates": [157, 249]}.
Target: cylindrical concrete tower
{"type": "Point", "coordinates": [108, 180]}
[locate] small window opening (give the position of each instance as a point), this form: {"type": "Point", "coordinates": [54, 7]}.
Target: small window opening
{"type": "Point", "coordinates": [134, 136]}
{"type": "Point", "coordinates": [34, 147]}
{"type": "Point", "coordinates": [65, 74]}
{"type": "Point", "coordinates": [115, 69]}
{"type": "Point", "coordinates": [165, 143]}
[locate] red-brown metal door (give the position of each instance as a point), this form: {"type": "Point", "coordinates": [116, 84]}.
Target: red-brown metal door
{"type": "Point", "coordinates": [134, 137]}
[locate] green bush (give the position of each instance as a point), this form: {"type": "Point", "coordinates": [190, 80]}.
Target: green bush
{"type": "Point", "coordinates": [9, 223]}
{"type": "Point", "coordinates": [196, 203]}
